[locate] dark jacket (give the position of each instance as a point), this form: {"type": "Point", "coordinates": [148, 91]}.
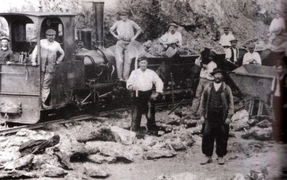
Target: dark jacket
{"type": "Point", "coordinates": [226, 97]}
{"type": "Point", "coordinates": [6, 55]}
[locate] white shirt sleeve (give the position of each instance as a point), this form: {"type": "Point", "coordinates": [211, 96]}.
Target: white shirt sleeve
{"type": "Point", "coordinates": [257, 57]}
{"type": "Point", "coordinates": [246, 59]}
{"type": "Point", "coordinates": [158, 82]}
{"type": "Point", "coordinates": [34, 54]}
{"type": "Point", "coordinates": [131, 80]}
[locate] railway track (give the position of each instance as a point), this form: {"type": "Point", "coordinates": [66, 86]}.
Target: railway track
{"type": "Point", "coordinates": [13, 130]}
{"type": "Point", "coordinates": [43, 124]}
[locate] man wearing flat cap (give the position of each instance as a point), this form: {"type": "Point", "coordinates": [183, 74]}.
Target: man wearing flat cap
{"type": "Point", "coordinates": [49, 59]}
{"type": "Point", "coordinates": [171, 41]}
{"type": "Point", "coordinates": [251, 57]}
{"type": "Point", "coordinates": [6, 54]}
{"type": "Point", "coordinates": [225, 38]}
{"type": "Point", "coordinates": [217, 109]}
{"type": "Point", "coordinates": [125, 35]}
{"type": "Point", "coordinates": [141, 82]}
{"type": "Point", "coordinates": [232, 53]}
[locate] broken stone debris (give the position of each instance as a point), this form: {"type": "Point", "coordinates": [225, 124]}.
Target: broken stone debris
{"type": "Point", "coordinates": [96, 172]}
{"type": "Point", "coordinates": [159, 153]}
{"type": "Point", "coordinates": [181, 176]}
{"type": "Point", "coordinates": [237, 176]}
{"type": "Point", "coordinates": [53, 171]}
{"type": "Point", "coordinates": [20, 163]}
{"type": "Point", "coordinates": [17, 174]}
{"type": "Point", "coordinates": [258, 134]}
{"type": "Point", "coordinates": [38, 146]}
{"type": "Point", "coordinates": [125, 137]}
{"type": "Point", "coordinates": [100, 134]}
{"type": "Point", "coordinates": [99, 159]}
{"type": "Point", "coordinates": [113, 149]}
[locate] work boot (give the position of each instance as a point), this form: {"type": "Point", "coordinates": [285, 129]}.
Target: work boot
{"type": "Point", "coordinates": [221, 161]}
{"type": "Point", "coordinates": [208, 159]}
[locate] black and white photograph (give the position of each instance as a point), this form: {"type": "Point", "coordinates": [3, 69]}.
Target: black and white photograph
{"type": "Point", "coordinates": [143, 89]}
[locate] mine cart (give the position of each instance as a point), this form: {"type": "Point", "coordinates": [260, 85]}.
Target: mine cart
{"type": "Point", "coordinates": [255, 82]}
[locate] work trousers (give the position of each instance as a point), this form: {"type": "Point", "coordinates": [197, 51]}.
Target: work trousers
{"type": "Point", "coordinates": [142, 104]}
{"type": "Point", "coordinates": [46, 86]}
{"type": "Point", "coordinates": [123, 61]}
{"type": "Point", "coordinates": [215, 130]}
{"type": "Point", "coordinates": [278, 118]}
{"type": "Point", "coordinates": [199, 90]}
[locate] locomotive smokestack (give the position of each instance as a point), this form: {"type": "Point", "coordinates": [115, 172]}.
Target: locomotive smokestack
{"type": "Point", "coordinates": [99, 23]}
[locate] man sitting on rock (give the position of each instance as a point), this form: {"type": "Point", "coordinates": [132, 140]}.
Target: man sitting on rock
{"type": "Point", "coordinates": [251, 57]}
{"type": "Point", "coordinates": [217, 109]}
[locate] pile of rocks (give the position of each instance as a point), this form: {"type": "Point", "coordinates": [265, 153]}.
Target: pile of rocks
{"type": "Point", "coordinates": [251, 128]}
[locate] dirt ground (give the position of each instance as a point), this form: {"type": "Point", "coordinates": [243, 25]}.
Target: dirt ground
{"type": "Point", "coordinates": [243, 157]}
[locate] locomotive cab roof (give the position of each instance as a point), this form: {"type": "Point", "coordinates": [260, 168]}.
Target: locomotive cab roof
{"type": "Point", "coordinates": [26, 29]}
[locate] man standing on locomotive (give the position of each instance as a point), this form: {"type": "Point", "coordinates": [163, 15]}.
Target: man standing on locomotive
{"type": "Point", "coordinates": [125, 35]}
{"type": "Point", "coordinates": [141, 82]}
{"type": "Point", "coordinates": [49, 50]}
{"type": "Point", "coordinates": [6, 54]}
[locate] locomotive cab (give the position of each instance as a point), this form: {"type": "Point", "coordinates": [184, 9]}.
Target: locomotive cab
{"type": "Point", "coordinates": [21, 83]}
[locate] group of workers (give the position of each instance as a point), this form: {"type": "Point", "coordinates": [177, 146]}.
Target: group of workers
{"type": "Point", "coordinates": [213, 102]}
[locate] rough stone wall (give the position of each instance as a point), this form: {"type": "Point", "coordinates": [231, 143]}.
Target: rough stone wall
{"type": "Point", "coordinates": [200, 20]}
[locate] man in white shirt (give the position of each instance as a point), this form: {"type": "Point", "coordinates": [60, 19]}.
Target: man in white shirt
{"type": "Point", "coordinates": [205, 78]}
{"type": "Point", "coordinates": [49, 59]}
{"type": "Point", "coordinates": [141, 82]}
{"type": "Point", "coordinates": [251, 57]}
{"type": "Point", "coordinates": [276, 28]}
{"type": "Point", "coordinates": [125, 35]}
{"type": "Point", "coordinates": [172, 38]}
{"type": "Point", "coordinates": [232, 53]}
{"type": "Point", "coordinates": [225, 38]}
{"type": "Point", "coordinates": [172, 41]}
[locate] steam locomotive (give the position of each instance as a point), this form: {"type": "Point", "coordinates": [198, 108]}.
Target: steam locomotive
{"type": "Point", "coordinates": [85, 76]}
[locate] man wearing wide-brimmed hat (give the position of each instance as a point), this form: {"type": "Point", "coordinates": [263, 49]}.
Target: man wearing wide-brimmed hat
{"type": "Point", "coordinates": [125, 35]}
{"type": "Point", "coordinates": [141, 82]}
{"type": "Point", "coordinates": [251, 57]}
{"type": "Point", "coordinates": [172, 38]}
{"type": "Point", "coordinates": [6, 54]}
{"type": "Point", "coordinates": [226, 37]}
{"type": "Point", "coordinates": [50, 49]}
{"type": "Point", "coordinates": [232, 53]}
{"type": "Point", "coordinates": [217, 109]}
